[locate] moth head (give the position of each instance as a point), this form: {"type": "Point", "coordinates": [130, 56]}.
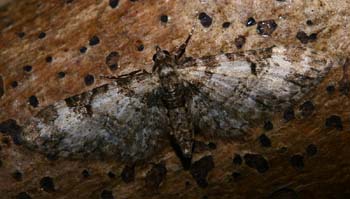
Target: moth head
{"type": "Point", "coordinates": [160, 57]}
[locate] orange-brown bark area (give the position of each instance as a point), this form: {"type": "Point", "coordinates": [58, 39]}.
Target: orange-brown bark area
{"type": "Point", "coordinates": [42, 54]}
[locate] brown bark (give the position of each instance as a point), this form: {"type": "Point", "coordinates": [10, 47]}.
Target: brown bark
{"type": "Point", "coordinates": [70, 25]}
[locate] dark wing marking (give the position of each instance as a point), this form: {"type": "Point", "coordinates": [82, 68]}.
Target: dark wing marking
{"type": "Point", "coordinates": [113, 120]}
{"type": "Point", "coordinates": [281, 78]}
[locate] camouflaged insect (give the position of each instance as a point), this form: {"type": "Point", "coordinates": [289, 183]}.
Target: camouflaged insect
{"type": "Point", "coordinates": [134, 116]}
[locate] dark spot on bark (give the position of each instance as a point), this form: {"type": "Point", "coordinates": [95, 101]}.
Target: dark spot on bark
{"type": "Point", "coordinates": [89, 80]}
{"type": "Point", "coordinates": [68, 1]}
{"type": "Point", "coordinates": [284, 193]}
{"type": "Point", "coordinates": [128, 173]}
{"type": "Point", "coordinates": [14, 84]}
{"type": "Point", "coordinates": [106, 194]}
{"type": "Point", "coordinates": [185, 161]}
{"type": "Point", "coordinates": [21, 34]}
{"type": "Point", "coordinates": [268, 126]}
{"type": "Point", "coordinates": [42, 35]}
{"type": "Point", "coordinates": [10, 127]}
{"type": "Point", "coordinates": [205, 197]}
{"type": "Point", "coordinates": [334, 121]}
{"type": "Point", "coordinates": [1, 163]}
{"type": "Point", "coordinates": [61, 75]}
{"type": "Point", "coordinates": [330, 89]}
{"type": "Point", "coordinates": [33, 101]}
{"type": "Point", "coordinates": [266, 28]}
{"type": "Point", "coordinates": [83, 49]}
{"type": "Point", "coordinates": [94, 40]}
{"type": "Point", "coordinates": [156, 176]}
{"type": "Point", "coordinates": [236, 175]}
{"type": "Point", "coordinates": [288, 114]}
{"type": "Point", "coordinates": [212, 145]}
{"type": "Point", "coordinates": [344, 87]}
{"type": "Point", "coordinates": [226, 24]}
{"type": "Point", "coordinates": [205, 19]}
{"type": "Point", "coordinates": [23, 195]}
{"type": "Point", "coordinates": [313, 37]}
{"type": "Point", "coordinates": [250, 22]}
{"type": "Point", "coordinates": [302, 37]}
{"type": "Point", "coordinates": [237, 159]}
{"type": "Point", "coordinates": [297, 161]}
{"type": "Point", "coordinates": [46, 183]}
{"type": "Point", "coordinates": [6, 141]}
{"type": "Point", "coordinates": [113, 3]}
{"type": "Point", "coordinates": [307, 108]}
{"type": "Point", "coordinates": [141, 47]}
{"type": "Point", "coordinates": [17, 175]}
{"type": "Point", "coordinates": [311, 150]}
{"type": "Point", "coordinates": [2, 89]}
{"type": "Point", "coordinates": [240, 41]}
{"type": "Point", "coordinates": [253, 69]}
{"type": "Point", "coordinates": [112, 60]}
{"type": "Point", "coordinates": [200, 170]}
{"type": "Point", "coordinates": [309, 22]}
{"type": "Point", "coordinates": [111, 174]}
{"type": "Point", "coordinates": [164, 18]}
{"type": "Point", "coordinates": [27, 68]}
{"type": "Point", "coordinates": [256, 161]}
{"type": "Point", "coordinates": [48, 59]}
{"type": "Point", "coordinates": [264, 141]}
{"type": "Point", "coordinates": [85, 173]}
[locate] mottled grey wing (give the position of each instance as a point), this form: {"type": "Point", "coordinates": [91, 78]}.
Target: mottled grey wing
{"type": "Point", "coordinates": [113, 120]}
{"type": "Point", "coordinates": [243, 89]}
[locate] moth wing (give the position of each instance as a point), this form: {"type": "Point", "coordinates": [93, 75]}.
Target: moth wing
{"type": "Point", "coordinates": [115, 120]}
{"type": "Point", "coordinates": [248, 87]}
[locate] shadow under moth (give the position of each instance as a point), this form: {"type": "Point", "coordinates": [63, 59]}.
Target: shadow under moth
{"type": "Point", "coordinates": [222, 96]}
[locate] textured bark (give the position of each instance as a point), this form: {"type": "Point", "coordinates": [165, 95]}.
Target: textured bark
{"type": "Point", "coordinates": [300, 152]}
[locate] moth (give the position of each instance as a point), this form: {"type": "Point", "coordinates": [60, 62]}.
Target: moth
{"type": "Point", "coordinates": [135, 116]}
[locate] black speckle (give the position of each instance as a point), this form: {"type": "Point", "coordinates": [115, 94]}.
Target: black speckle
{"type": "Point", "coordinates": [46, 183]}
{"type": "Point", "coordinates": [27, 68]}
{"type": "Point", "coordinates": [68, 1]}
{"type": "Point", "coordinates": [311, 150]}
{"type": "Point", "coordinates": [113, 3]}
{"type": "Point", "coordinates": [309, 22]}
{"type": "Point", "coordinates": [14, 84]}
{"type": "Point", "coordinates": [106, 194]}
{"type": "Point", "coordinates": [250, 22]}
{"type": "Point", "coordinates": [264, 141]}
{"type": "Point", "coordinates": [85, 173]}
{"type": "Point", "coordinates": [268, 126]}
{"type": "Point", "coordinates": [237, 159]}
{"type": "Point", "coordinates": [226, 24]}
{"type": "Point", "coordinates": [61, 74]}
{"type": "Point", "coordinates": [48, 59]}
{"type": "Point", "coordinates": [10, 127]}
{"type": "Point", "coordinates": [83, 49]}
{"type": "Point", "coordinates": [257, 162]}
{"type": "Point", "coordinates": [23, 195]}
{"type": "Point", "coordinates": [17, 175]}
{"type": "Point", "coordinates": [240, 41]}
{"type": "Point", "coordinates": [302, 37]}
{"type": "Point", "coordinates": [2, 90]}
{"type": "Point", "coordinates": [313, 37]}
{"type": "Point", "coordinates": [111, 174]}
{"type": "Point", "coordinates": [141, 47]}
{"type": "Point", "coordinates": [33, 101]}
{"type": "Point", "coordinates": [307, 108]}
{"type": "Point", "coordinates": [330, 89]}
{"type": "Point", "coordinates": [236, 175]}
{"type": "Point", "coordinates": [89, 80]}
{"type": "Point", "coordinates": [288, 114]}
{"type": "Point", "coordinates": [297, 161]}
{"type": "Point", "coordinates": [164, 18]}
{"type": "Point", "coordinates": [212, 145]}
{"type": "Point", "coordinates": [94, 41]}
{"type": "Point", "coordinates": [266, 28]}
{"type": "Point", "coordinates": [253, 69]}
{"type": "Point", "coordinates": [334, 121]}
{"type": "Point", "coordinates": [21, 34]}
{"type": "Point", "coordinates": [112, 60]}
{"type": "Point", "coordinates": [205, 19]}
{"type": "Point", "coordinates": [128, 173]}
{"type": "Point", "coordinates": [156, 176]}
{"type": "Point", "coordinates": [42, 35]}
{"type": "Point", "coordinates": [284, 193]}
{"type": "Point", "coordinates": [200, 170]}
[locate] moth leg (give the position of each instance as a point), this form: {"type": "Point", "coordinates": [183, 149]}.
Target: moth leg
{"type": "Point", "coordinates": [182, 49]}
